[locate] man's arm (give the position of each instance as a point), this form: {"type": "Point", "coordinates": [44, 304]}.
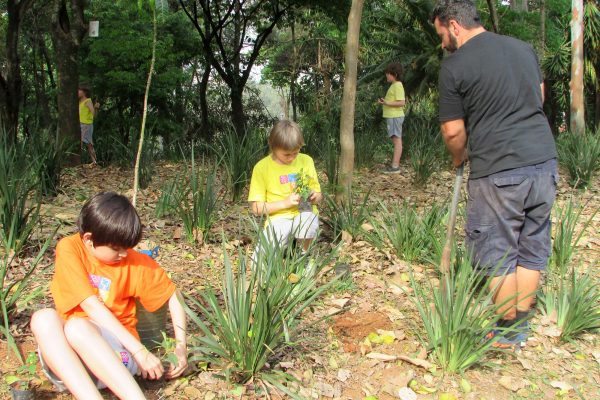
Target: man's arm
{"type": "Point", "coordinates": [455, 136]}
{"type": "Point", "coordinates": [542, 88]}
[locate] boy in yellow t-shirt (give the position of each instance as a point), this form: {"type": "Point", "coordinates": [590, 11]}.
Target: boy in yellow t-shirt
{"type": "Point", "coordinates": [393, 112]}
{"type": "Point", "coordinates": [87, 111]}
{"type": "Point", "coordinates": [272, 187]}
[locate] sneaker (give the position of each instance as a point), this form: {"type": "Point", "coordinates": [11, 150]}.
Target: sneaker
{"type": "Point", "coordinates": [391, 170]}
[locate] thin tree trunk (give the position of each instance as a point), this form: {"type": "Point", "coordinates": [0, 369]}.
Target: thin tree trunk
{"type": "Point", "coordinates": [202, 89]}
{"type": "Point", "coordinates": [237, 110]}
{"type": "Point", "coordinates": [349, 100]}
{"type": "Point", "coordinates": [294, 73]}
{"type": "Point", "coordinates": [67, 34]}
{"type": "Point", "coordinates": [136, 170]}
{"type": "Point", "coordinates": [577, 121]}
{"type": "Point", "coordinates": [543, 25]}
{"type": "Point", "coordinates": [494, 15]}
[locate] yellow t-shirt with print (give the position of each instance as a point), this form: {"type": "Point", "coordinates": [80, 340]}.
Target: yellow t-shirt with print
{"type": "Point", "coordinates": [394, 93]}
{"type": "Point", "coordinates": [272, 181]}
{"type": "Point", "coordinates": [85, 115]}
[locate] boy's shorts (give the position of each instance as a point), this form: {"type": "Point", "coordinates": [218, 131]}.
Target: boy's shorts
{"type": "Point", "coordinates": [303, 226]}
{"type": "Point", "coordinates": [86, 133]}
{"type": "Point", "coordinates": [508, 218]}
{"type": "Point", "coordinates": [394, 126]}
{"type": "Point", "coordinates": [114, 343]}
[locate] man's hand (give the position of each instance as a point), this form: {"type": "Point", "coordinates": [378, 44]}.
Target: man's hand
{"type": "Point", "coordinates": [182, 363]}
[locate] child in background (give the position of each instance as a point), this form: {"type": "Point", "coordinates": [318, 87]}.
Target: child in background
{"type": "Point", "coordinates": [393, 112]}
{"type": "Point", "coordinates": [87, 112]}
{"type": "Point", "coordinates": [272, 187]}
{"type": "Point", "coordinates": [96, 281]}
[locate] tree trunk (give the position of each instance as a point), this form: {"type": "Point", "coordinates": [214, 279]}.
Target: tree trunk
{"type": "Point", "coordinates": [202, 89]}
{"type": "Point", "coordinates": [519, 5]}
{"type": "Point", "coordinates": [11, 83]}
{"type": "Point", "coordinates": [543, 25]}
{"type": "Point", "coordinates": [494, 15]}
{"type": "Point", "coordinates": [577, 121]}
{"type": "Point", "coordinates": [349, 100]}
{"type": "Point", "coordinates": [294, 73]}
{"type": "Point", "coordinates": [67, 31]}
{"type": "Point", "coordinates": [597, 109]}
{"type": "Point", "coordinates": [237, 110]}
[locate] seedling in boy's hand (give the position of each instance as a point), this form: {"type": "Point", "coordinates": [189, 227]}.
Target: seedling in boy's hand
{"type": "Point", "coordinates": [302, 186]}
{"type": "Point", "coordinates": [167, 350]}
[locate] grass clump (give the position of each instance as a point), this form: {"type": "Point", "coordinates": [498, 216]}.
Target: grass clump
{"type": "Point", "coordinates": [457, 316]}
{"type": "Point", "coordinates": [414, 237]}
{"type": "Point", "coordinates": [580, 155]}
{"type": "Point", "coordinates": [255, 312]}
{"type": "Point", "coordinates": [348, 215]}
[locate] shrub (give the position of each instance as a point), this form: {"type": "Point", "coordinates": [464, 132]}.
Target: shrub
{"type": "Point", "coordinates": [574, 300]}
{"type": "Point", "coordinates": [238, 155]}
{"type": "Point", "coordinates": [198, 200]}
{"type": "Point", "coordinates": [48, 153]}
{"type": "Point", "coordinates": [346, 216]}
{"type": "Point", "coordinates": [414, 237]}
{"type": "Point", "coordinates": [457, 316]}
{"type": "Point", "coordinates": [565, 236]}
{"type": "Point", "coordinates": [20, 198]}
{"type": "Point", "coordinates": [15, 275]}
{"type": "Point", "coordinates": [258, 312]}
{"type": "Point", "coordinates": [580, 154]}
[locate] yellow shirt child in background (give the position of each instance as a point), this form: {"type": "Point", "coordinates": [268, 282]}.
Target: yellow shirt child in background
{"type": "Point", "coordinates": [87, 111]}
{"type": "Point", "coordinates": [393, 112]}
{"type": "Point", "coordinates": [272, 187]}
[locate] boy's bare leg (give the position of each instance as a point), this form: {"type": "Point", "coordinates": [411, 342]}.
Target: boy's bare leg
{"type": "Point", "coordinates": [505, 288]}
{"type": "Point", "coordinates": [48, 329]}
{"type": "Point", "coordinates": [397, 151]}
{"type": "Point", "coordinates": [85, 338]}
{"type": "Point", "coordinates": [90, 148]}
{"type": "Point", "coordinates": [527, 284]}
{"type": "Point", "coordinates": [305, 243]}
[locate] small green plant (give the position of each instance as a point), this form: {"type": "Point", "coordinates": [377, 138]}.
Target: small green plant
{"type": "Point", "coordinates": [26, 373]}
{"type": "Point", "coordinates": [238, 155]}
{"type": "Point", "coordinates": [302, 185]}
{"type": "Point", "coordinates": [256, 313]}
{"type": "Point", "coordinates": [199, 201]}
{"type": "Point", "coordinates": [168, 199]}
{"type": "Point", "coordinates": [347, 215]}
{"type": "Point", "coordinates": [15, 275]}
{"type": "Point", "coordinates": [414, 237]}
{"type": "Point", "coordinates": [20, 198]}
{"type": "Point", "coordinates": [458, 314]}
{"type": "Point", "coordinates": [167, 349]}
{"type": "Point", "coordinates": [574, 301]}
{"type": "Point", "coordinates": [565, 236]}
{"type": "Point", "coordinates": [580, 155]}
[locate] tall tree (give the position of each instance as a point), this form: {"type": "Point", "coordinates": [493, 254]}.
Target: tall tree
{"type": "Point", "coordinates": [232, 35]}
{"type": "Point", "coordinates": [10, 75]}
{"type": "Point", "coordinates": [577, 123]}
{"type": "Point", "coordinates": [494, 15]}
{"type": "Point", "coordinates": [68, 30]}
{"type": "Point", "coordinates": [519, 5]}
{"type": "Point", "coordinates": [349, 97]}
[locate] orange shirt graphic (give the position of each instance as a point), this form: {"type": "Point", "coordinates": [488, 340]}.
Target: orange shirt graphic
{"type": "Point", "coordinates": [79, 275]}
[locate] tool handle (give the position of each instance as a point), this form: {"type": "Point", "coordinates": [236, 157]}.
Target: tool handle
{"type": "Point", "coordinates": [447, 251]}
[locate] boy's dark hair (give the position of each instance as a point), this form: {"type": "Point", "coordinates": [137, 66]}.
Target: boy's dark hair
{"type": "Point", "coordinates": [462, 11]}
{"type": "Point", "coordinates": [86, 89]}
{"type": "Point", "coordinates": [111, 219]}
{"type": "Point", "coordinates": [395, 69]}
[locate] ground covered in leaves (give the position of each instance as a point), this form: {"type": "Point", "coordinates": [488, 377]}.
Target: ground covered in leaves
{"type": "Point", "coordinates": [332, 357]}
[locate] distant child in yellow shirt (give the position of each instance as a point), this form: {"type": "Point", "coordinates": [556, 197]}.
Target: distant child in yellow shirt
{"type": "Point", "coordinates": [273, 183]}
{"type": "Point", "coordinates": [393, 112]}
{"type": "Point", "coordinates": [87, 111]}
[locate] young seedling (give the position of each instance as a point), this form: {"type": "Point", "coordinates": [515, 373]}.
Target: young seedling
{"type": "Point", "coordinates": [25, 374]}
{"type": "Point", "coordinates": [167, 350]}
{"type": "Point", "coordinates": [302, 187]}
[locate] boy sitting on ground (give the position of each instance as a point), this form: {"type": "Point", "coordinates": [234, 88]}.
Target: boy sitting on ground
{"type": "Point", "coordinates": [273, 187]}
{"type": "Point", "coordinates": [90, 341]}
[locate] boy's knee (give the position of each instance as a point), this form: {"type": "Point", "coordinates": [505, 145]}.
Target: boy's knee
{"type": "Point", "coordinates": [78, 331]}
{"type": "Point", "coordinates": [42, 319]}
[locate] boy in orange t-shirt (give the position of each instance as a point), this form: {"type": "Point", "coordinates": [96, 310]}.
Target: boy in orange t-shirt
{"type": "Point", "coordinates": [97, 279]}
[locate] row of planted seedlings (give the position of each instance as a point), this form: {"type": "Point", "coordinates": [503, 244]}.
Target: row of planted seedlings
{"type": "Point", "coordinates": [456, 310]}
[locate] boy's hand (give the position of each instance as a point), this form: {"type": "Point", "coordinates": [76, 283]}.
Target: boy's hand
{"type": "Point", "coordinates": [381, 100]}
{"type": "Point", "coordinates": [293, 200]}
{"type": "Point", "coordinates": [149, 364]}
{"type": "Point", "coordinates": [315, 197]}
{"type": "Point", "coordinates": [182, 364]}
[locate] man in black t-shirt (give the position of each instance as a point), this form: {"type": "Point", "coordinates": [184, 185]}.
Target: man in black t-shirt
{"type": "Point", "coordinates": [491, 96]}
